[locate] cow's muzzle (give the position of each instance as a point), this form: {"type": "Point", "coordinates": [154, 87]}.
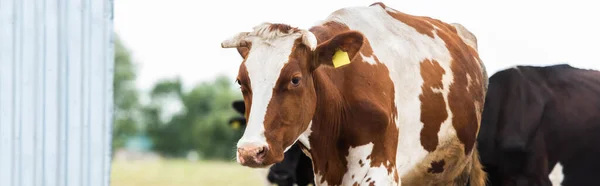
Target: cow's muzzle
{"type": "Point", "coordinates": [252, 155]}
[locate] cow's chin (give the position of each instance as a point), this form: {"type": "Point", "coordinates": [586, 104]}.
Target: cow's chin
{"type": "Point", "coordinates": [256, 165]}
{"type": "Point", "coordinates": [267, 161]}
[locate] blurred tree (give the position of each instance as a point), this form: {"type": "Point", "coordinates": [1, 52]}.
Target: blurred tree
{"type": "Point", "coordinates": [200, 125]}
{"type": "Point", "coordinates": [125, 96]}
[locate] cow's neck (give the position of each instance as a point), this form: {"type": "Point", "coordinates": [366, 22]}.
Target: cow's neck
{"type": "Point", "coordinates": [346, 108]}
{"type": "Point", "coordinates": [328, 159]}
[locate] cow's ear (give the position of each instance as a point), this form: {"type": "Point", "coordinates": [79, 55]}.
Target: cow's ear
{"type": "Point", "coordinates": [339, 50]}
{"type": "Point", "coordinates": [243, 50]}
{"type": "Point", "coordinates": [239, 106]}
{"type": "Point", "coordinates": [237, 122]}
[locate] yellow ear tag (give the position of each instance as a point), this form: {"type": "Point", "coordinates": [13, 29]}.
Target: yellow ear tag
{"type": "Point", "coordinates": [235, 125]}
{"type": "Point", "coordinates": [340, 58]}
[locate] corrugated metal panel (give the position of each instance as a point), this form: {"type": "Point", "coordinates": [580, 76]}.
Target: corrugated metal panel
{"type": "Point", "coordinates": [56, 71]}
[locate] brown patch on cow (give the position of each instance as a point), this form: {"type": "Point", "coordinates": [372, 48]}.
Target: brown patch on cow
{"type": "Point", "coordinates": [366, 114]}
{"type": "Point", "coordinates": [360, 163]}
{"type": "Point", "coordinates": [244, 50]}
{"type": "Point", "coordinates": [284, 28]}
{"type": "Point", "coordinates": [245, 87]}
{"type": "Point", "coordinates": [423, 24]}
{"type": "Point", "coordinates": [465, 62]}
{"type": "Point", "coordinates": [396, 177]}
{"type": "Point", "coordinates": [372, 183]}
{"type": "Point", "coordinates": [355, 184]}
{"type": "Point", "coordinates": [379, 4]}
{"type": "Point", "coordinates": [368, 179]}
{"type": "Point", "coordinates": [327, 30]}
{"type": "Point", "coordinates": [436, 167]}
{"type": "Point", "coordinates": [433, 106]}
{"type": "Point", "coordinates": [353, 176]}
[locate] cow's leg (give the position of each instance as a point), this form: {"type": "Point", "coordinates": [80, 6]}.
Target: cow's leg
{"type": "Point", "coordinates": [538, 162]}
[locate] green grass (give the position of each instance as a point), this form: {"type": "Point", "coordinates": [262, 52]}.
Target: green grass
{"type": "Point", "coordinates": [183, 173]}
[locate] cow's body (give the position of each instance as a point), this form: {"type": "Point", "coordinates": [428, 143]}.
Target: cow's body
{"type": "Point", "coordinates": [405, 110]}
{"type": "Point", "coordinates": [537, 116]}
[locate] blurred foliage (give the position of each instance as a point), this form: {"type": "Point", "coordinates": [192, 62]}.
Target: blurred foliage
{"type": "Point", "coordinates": [126, 98]}
{"type": "Point", "coordinates": [200, 123]}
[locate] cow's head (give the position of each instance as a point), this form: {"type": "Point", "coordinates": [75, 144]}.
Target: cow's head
{"type": "Point", "coordinates": [513, 112]}
{"type": "Point", "coordinates": [238, 121]}
{"type": "Point", "coordinates": [276, 81]}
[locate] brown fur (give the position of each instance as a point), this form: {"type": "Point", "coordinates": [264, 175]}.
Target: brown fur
{"type": "Point", "coordinates": [284, 28]}
{"type": "Point", "coordinates": [433, 105]}
{"type": "Point", "coordinates": [353, 105]}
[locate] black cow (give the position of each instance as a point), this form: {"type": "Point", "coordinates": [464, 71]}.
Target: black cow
{"type": "Point", "coordinates": [535, 117]}
{"type": "Point", "coordinates": [296, 167]}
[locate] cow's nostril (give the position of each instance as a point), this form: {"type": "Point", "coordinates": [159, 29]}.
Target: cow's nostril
{"type": "Point", "coordinates": [261, 152]}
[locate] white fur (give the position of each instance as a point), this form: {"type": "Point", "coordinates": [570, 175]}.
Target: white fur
{"type": "Point", "coordinates": [309, 39]}
{"type": "Point", "coordinates": [234, 41]}
{"type": "Point", "coordinates": [365, 174]}
{"type": "Point", "coordinates": [368, 59]}
{"type": "Point", "coordinates": [304, 136]}
{"type": "Point", "coordinates": [465, 35]}
{"type": "Point", "coordinates": [556, 176]}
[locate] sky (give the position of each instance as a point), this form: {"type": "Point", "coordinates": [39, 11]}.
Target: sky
{"type": "Point", "coordinates": [170, 38]}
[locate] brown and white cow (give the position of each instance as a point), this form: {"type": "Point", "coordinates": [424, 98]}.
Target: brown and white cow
{"type": "Point", "coordinates": [374, 95]}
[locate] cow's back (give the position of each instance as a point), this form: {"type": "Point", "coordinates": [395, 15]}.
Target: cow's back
{"type": "Point", "coordinates": [439, 88]}
{"type": "Point", "coordinates": [571, 122]}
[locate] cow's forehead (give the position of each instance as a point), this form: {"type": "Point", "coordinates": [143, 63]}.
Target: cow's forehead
{"type": "Point", "coordinates": [271, 47]}
{"type": "Point", "coordinates": [267, 58]}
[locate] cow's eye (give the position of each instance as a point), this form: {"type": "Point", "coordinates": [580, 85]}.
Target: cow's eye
{"type": "Point", "coordinates": [295, 81]}
{"type": "Point", "coordinates": [238, 81]}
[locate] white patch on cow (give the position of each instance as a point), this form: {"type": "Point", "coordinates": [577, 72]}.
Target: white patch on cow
{"type": "Point", "coordinates": [371, 59]}
{"type": "Point", "coordinates": [469, 81]}
{"type": "Point", "coordinates": [309, 39]}
{"type": "Point", "coordinates": [360, 170]}
{"type": "Point", "coordinates": [304, 136]}
{"type": "Point", "coordinates": [402, 58]}
{"type": "Point", "coordinates": [466, 35]}
{"type": "Point", "coordinates": [269, 53]}
{"type": "Point", "coordinates": [318, 178]}
{"type": "Point", "coordinates": [556, 176]}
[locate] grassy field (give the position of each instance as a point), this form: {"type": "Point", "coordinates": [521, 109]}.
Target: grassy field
{"type": "Point", "coordinates": [182, 173]}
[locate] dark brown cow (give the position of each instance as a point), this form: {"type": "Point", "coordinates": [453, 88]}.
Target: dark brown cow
{"type": "Point", "coordinates": [375, 96]}
{"type": "Point", "coordinates": [535, 117]}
